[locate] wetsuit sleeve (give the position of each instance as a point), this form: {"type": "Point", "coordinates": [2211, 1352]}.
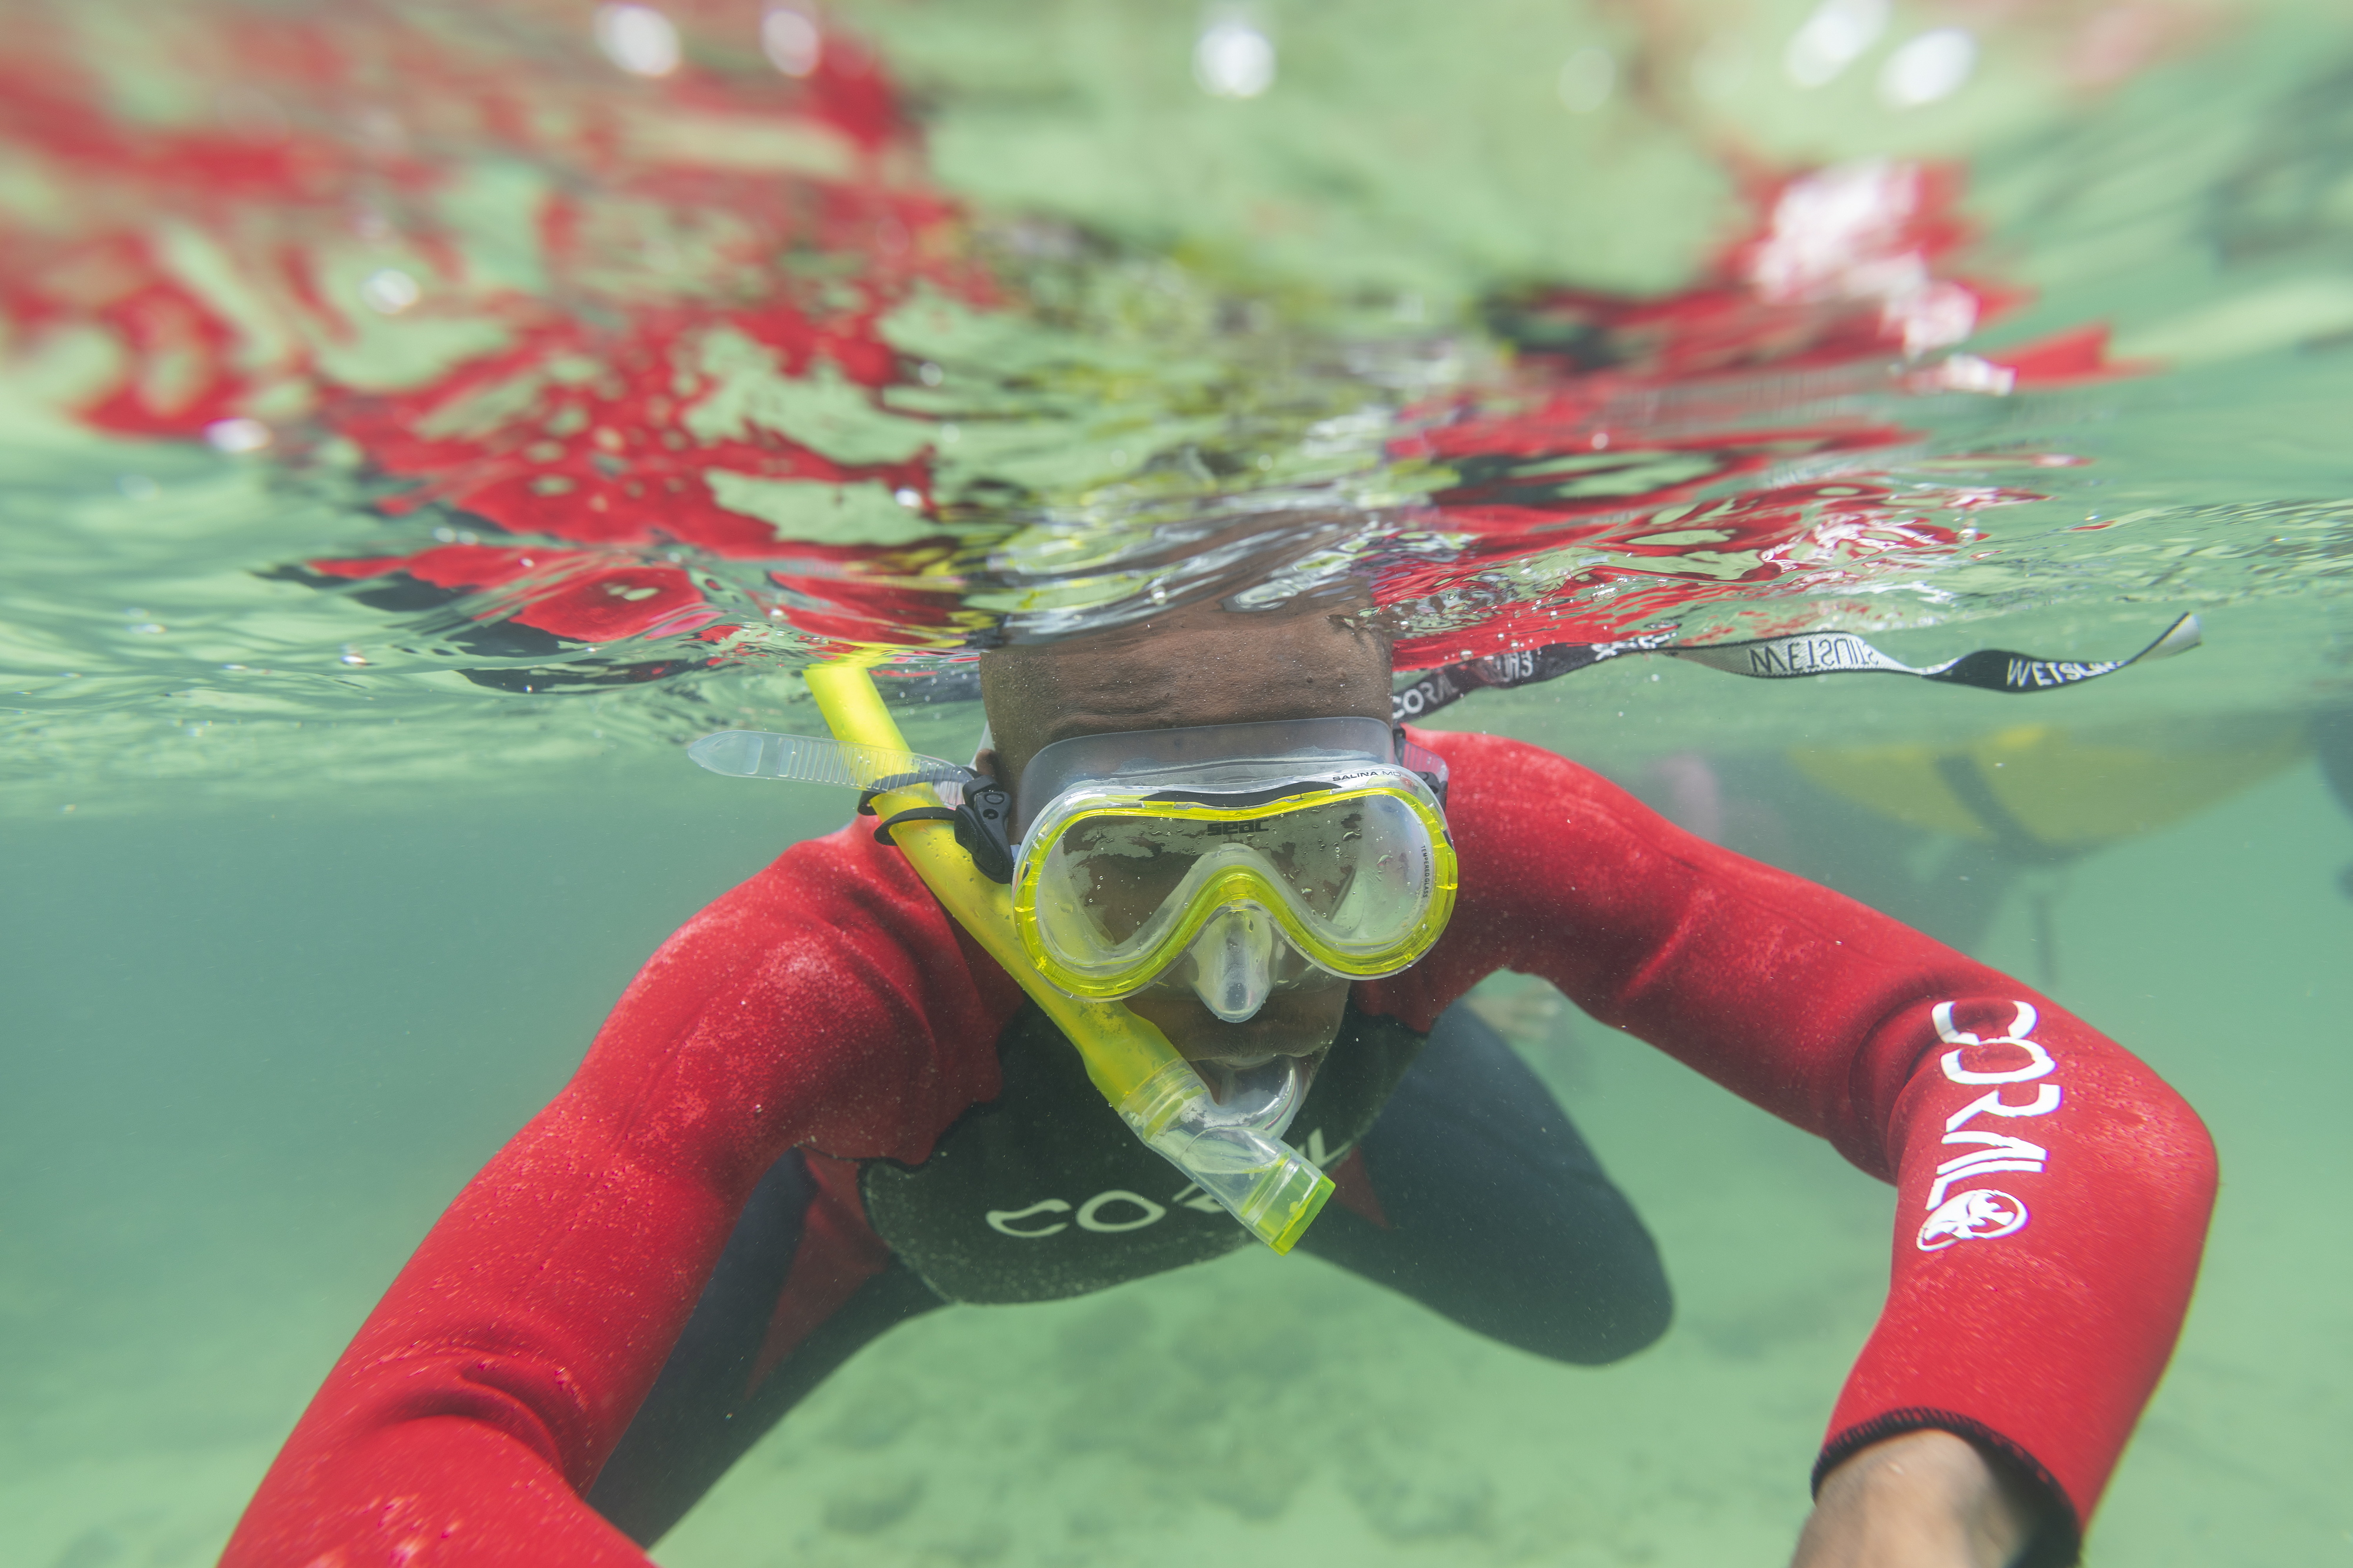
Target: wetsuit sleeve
{"type": "Point", "coordinates": [481, 1397]}
{"type": "Point", "coordinates": [2052, 1193]}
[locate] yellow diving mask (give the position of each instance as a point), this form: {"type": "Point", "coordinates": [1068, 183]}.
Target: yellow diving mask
{"type": "Point", "coordinates": [1231, 859]}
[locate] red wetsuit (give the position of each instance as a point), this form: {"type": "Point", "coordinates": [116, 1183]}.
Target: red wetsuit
{"type": "Point", "coordinates": [2052, 1192]}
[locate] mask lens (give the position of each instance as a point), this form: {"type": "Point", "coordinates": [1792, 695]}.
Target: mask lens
{"type": "Point", "coordinates": [1114, 873]}
{"type": "Point", "coordinates": [1390, 873]}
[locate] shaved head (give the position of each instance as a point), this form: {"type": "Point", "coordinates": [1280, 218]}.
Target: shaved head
{"type": "Point", "coordinates": [1202, 664]}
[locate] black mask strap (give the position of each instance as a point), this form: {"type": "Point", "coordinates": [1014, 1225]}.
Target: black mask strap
{"type": "Point", "coordinates": [1775, 659]}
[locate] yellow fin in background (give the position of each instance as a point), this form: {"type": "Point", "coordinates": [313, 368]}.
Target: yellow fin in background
{"type": "Point", "coordinates": [2043, 793]}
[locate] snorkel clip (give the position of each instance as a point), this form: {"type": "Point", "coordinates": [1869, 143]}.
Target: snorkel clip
{"type": "Point", "coordinates": [981, 819]}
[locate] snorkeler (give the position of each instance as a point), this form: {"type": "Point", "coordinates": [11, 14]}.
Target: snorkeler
{"type": "Point", "coordinates": [821, 1109]}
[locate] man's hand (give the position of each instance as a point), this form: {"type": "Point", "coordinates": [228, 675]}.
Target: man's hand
{"type": "Point", "coordinates": [1925, 1499]}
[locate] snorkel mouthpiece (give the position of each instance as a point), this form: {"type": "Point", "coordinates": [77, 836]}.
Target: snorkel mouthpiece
{"type": "Point", "coordinates": [1231, 963]}
{"type": "Point", "coordinates": [1263, 1181]}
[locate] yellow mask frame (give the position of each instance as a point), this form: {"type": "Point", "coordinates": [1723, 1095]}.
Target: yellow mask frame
{"type": "Point", "coordinates": [1221, 881]}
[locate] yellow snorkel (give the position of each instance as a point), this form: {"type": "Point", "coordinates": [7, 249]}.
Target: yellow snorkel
{"type": "Point", "coordinates": [1275, 1191]}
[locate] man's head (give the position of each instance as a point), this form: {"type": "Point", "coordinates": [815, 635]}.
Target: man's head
{"type": "Point", "coordinates": [1197, 666]}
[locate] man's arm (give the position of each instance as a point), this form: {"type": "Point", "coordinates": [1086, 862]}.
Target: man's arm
{"type": "Point", "coordinates": [488, 1386]}
{"type": "Point", "coordinates": [2052, 1191]}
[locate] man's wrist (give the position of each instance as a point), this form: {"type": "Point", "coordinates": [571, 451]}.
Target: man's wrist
{"type": "Point", "coordinates": [1923, 1499]}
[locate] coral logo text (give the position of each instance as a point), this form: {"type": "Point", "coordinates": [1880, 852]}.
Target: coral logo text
{"type": "Point", "coordinates": [1116, 1211]}
{"type": "Point", "coordinates": [1983, 1214]}
{"type": "Point", "coordinates": [1977, 1216]}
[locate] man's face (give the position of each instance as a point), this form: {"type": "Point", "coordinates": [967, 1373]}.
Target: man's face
{"type": "Point", "coordinates": [1201, 664]}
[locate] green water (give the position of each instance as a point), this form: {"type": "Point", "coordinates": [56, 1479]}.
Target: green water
{"type": "Point", "coordinates": [255, 1051]}
{"type": "Point", "coordinates": [291, 943]}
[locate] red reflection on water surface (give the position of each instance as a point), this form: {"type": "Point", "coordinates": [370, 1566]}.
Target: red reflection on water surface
{"type": "Point", "coordinates": [241, 201]}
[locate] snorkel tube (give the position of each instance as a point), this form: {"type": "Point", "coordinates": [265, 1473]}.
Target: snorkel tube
{"type": "Point", "coordinates": [1270, 1188]}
